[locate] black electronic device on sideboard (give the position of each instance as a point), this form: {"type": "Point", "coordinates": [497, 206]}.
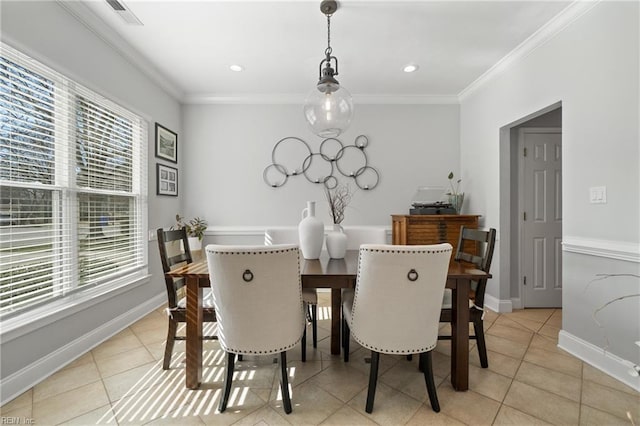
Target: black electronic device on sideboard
{"type": "Point", "coordinates": [431, 200]}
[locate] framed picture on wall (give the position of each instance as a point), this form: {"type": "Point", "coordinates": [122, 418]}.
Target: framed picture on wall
{"type": "Point", "coordinates": [166, 144]}
{"type": "Point", "coordinates": [167, 180]}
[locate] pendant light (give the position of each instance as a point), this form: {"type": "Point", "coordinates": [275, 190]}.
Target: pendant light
{"type": "Point", "coordinates": [329, 108]}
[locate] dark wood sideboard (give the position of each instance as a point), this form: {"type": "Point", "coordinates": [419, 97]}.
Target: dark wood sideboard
{"type": "Point", "coordinates": [431, 229]}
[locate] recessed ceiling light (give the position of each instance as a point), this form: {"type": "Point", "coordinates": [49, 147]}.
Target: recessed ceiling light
{"type": "Point", "coordinates": [236, 68]}
{"type": "Point", "coordinates": [410, 68]}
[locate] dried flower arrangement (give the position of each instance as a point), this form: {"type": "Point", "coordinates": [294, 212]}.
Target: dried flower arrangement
{"type": "Point", "coordinates": [339, 198]}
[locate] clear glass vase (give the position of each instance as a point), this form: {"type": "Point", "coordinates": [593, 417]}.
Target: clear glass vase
{"type": "Point", "coordinates": [456, 201]}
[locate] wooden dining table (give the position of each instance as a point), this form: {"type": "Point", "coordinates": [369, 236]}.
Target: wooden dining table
{"type": "Point", "coordinates": [334, 274]}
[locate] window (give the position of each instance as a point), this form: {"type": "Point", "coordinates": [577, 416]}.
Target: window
{"type": "Point", "coordinates": [72, 186]}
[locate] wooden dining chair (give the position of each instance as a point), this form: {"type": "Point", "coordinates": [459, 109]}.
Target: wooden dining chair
{"type": "Point", "coordinates": [257, 292]}
{"type": "Point", "coordinates": [174, 251]}
{"type": "Point", "coordinates": [289, 235]}
{"type": "Point", "coordinates": [396, 306]}
{"type": "Point", "coordinates": [474, 246]}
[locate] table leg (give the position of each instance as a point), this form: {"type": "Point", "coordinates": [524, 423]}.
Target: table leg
{"type": "Point", "coordinates": [336, 312]}
{"type": "Point", "coordinates": [194, 335]}
{"type": "Point", "coordinates": [460, 336]}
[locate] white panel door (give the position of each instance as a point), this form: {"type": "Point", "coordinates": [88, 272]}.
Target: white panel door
{"type": "Point", "coordinates": [541, 217]}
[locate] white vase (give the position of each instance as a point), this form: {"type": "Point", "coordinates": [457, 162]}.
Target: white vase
{"type": "Point", "coordinates": [311, 232]}
{"type": "Point", "coordinates": [336, 242]}
{"type": "Point", "coordinates": [195, 243]}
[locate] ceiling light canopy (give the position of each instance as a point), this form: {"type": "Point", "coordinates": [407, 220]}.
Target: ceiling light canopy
{"type": "Point", "coordinates": [329, 107]}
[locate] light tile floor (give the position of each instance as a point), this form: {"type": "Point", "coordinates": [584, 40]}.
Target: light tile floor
{"type": "Point", "coordinates": [529, 381]}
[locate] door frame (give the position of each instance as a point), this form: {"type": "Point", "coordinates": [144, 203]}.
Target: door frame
{"type": "Point", "coordinates": [508, 249]}
{"type": "Point", "coordinates": [521, 201]}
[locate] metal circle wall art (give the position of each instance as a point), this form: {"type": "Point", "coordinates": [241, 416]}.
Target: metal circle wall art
{"type": "Point", "coordinates": [292, 156]}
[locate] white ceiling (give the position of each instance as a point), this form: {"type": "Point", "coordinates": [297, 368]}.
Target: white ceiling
{"type": "Point", "coordinates": [281, 43]}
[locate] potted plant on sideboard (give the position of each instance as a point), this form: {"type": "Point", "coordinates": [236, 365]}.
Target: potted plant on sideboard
{"type": "Point", "coordinates": [456, 198]}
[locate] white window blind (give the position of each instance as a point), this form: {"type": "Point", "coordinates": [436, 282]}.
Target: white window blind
{"type": "Point", "coordinates": [72, 186]}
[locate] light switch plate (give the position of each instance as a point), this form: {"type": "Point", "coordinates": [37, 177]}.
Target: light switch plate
{"type": "Point", "coordinates": [598, 194]}
{"type": "Point", "coordinates": [152, 235]}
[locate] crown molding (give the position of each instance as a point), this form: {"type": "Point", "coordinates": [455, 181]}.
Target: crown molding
{"type": "Point", "coordinates": [89, 19]}
{"type": "Point", "coordinates": [298, 99]}
{"type": "Point", "coordinates": [406, 99]}
{"type": "Point", "coordinates": [552, 28]}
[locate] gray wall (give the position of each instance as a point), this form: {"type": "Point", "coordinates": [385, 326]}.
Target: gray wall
{"type": "Point", "coordinates": [47, 32]}
{"type": "Point", "coordinates": [591, 66]}
{"type": "Point", "coordinates": [228, 146]}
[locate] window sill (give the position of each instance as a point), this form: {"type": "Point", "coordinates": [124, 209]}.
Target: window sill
{"type": "Point", "coordinates": [34, 319]}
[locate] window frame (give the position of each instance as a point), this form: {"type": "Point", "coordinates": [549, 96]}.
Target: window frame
{"type": "Point", "coordinates": [79, 297]}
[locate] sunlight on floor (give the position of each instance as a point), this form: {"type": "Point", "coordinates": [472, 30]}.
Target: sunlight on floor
{"type": "Point", "coordinates": [324, 313]}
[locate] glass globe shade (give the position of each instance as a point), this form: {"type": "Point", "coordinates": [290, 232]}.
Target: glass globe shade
{"type": "Point", "coordinates": [328, 114]}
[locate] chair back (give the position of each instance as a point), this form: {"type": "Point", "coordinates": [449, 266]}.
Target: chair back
{"type": "Point", "coordinates": [483, 242]}
{"type": "Point", "coordinates": [398, 296]}
{"type": "Point", "coordinates": [358, 235]}
{"type": "Point", "coordinates": [257, 294]}
{"type": "Point", "coordinates": [281, 235]}
{"type": "Point", "coordinates": [173, 253]}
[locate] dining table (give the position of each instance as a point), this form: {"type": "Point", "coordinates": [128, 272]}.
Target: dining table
{"type": "Point", "coordinates": [334, 274]}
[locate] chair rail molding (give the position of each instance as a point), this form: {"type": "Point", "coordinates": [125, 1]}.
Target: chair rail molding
{"type": "Point", "coordinates": [619, 250]}
{"type": "Point", "coordinates": [258, 231]}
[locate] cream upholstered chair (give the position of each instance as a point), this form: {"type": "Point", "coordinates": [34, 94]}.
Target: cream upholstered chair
{"type": "Point", "coordinates": [358, 235]}
{"type": "Point", "coordinates": [257, 295]}
{"type": "Point", "coordinates": [175, 251]}
{"type": "Point", "coordinates": [474, 246]}
{"type": "Point", "coordinates": [289, 235]}
{"type": "Point", "coordinates": [396, 306]}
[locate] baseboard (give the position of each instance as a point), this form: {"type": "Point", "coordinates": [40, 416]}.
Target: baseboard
{"type": "Point", "coordinates": [29, 376]}
{"type": "Point", "coordinates": [516, 303]}
{"type": "Point", "coordinates": [497, 305]}
{"type": "Point", "coordinates": [606, 362]}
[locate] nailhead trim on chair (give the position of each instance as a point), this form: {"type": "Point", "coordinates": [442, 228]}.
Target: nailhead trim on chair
{"type": "Point", "coordinates": [406, 251]}
{"type": "Point", "coordinates": [265, 352]}
{"type": "Point", "coordinates": [254, 252]}
{"type": "Point", "coordinates": [355, 298]}
{"type": "Point", "coordinates": [393, 351]}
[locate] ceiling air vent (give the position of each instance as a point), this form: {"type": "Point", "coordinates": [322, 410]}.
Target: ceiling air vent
{"type": "Point", "coordinates": [124, 12]}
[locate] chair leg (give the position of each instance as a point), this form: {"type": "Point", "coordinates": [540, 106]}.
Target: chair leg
{"type": "Point", "coordinates": [314, 324]}
{"type": "Point", "coordinates": [345, 339]}
{"type": "Point", "coordinates": [343, 330]}
{"type": "Point", "coordinates": [284, 383]}
{"type": "Point", "coordinates": [425, 360]}
{"type": "Point", "coordinates": [303, 344]}
{"type": "Point", "coordinates": [373, 381]}
{"type": "Point", "coordinates": [240, 357]}
{"type": "Point", "coordinates": [227, 382]}
{"type": "Point", "coordinates": [410, 357]}
{"type": "Point", "coordinates": [482, 346]}
{"type": "Point", "coordinates": [168, 347]}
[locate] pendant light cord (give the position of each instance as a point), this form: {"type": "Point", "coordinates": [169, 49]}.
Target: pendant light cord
{"type": "Point", "coordinates": [328, 50]}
